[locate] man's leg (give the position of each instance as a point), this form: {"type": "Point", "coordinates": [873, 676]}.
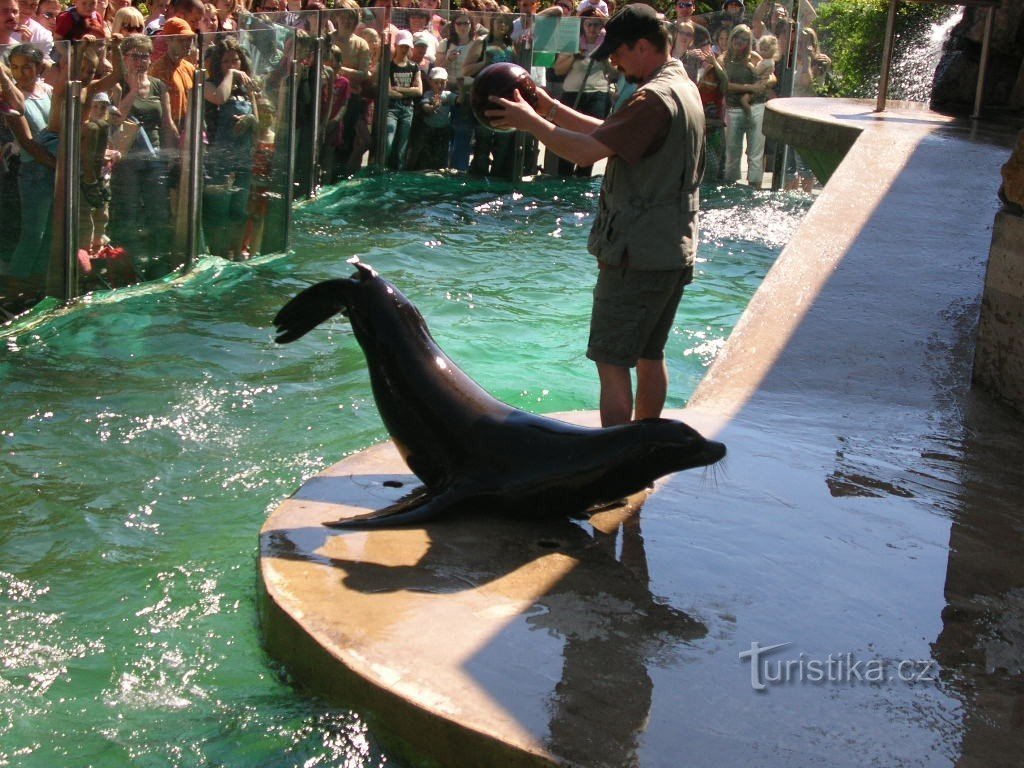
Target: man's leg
{"type": "Point", "coordinates": [651, 387]}
{"type": "Point", "coordinates": [616, 394]}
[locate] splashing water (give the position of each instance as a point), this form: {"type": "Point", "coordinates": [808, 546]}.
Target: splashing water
{"type": "Point", "coordinates": [915, 60]}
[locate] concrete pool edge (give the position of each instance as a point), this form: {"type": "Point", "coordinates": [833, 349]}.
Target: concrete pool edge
{"type": "Point", "coordinates": [291, 582]}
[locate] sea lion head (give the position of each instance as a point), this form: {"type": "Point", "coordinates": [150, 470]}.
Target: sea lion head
{"type": "Point", "coordinates": [672, 446]}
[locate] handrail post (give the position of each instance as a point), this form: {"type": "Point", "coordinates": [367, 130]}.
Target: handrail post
{"type": "Point", "coordinates": [195, 165]}
{"type": "Point", "coordinates": [983, 65]}
{"type": "Point", "coordinates": [318, 68]}
{"type": "Point", "coordinates": [890, 31]}
{"type": "Point", "coordinates": [71, 188]}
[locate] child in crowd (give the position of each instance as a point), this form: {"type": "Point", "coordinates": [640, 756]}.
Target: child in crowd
{"type": "Point", "coordinates": [406, 87]}
{"type": "Point", "coordinates": [768, 48]}
{"type": "Point", "coordinates": [430, 142]}
{"type": "Point", "coordinates": [80, 21]}
{"type": "Point", "coordinates": [97, 162]}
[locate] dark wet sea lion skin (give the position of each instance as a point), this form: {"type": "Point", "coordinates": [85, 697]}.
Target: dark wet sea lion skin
{"type": "Point", "coordinates": [468, 448]}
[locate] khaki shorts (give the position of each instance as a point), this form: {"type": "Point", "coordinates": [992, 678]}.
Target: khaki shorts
{"type": "Point", "coordinates": [633, 314]}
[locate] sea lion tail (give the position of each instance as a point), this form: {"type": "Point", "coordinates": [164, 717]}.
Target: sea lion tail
{"type": "Point", "coordinates": [310, 308]}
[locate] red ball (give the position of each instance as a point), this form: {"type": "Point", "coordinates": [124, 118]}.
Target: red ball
{"type": "Point", "coordinates": [501, 80]}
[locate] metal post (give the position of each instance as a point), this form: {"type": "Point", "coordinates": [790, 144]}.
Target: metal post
{"type": "Point", "coordinates": [71, 188]}
{"type": "Point", "coordinates": [380, 121]}
{"type": "Point", "coordinates": [289, 187]}
{"type": "Point", "coordinates": [789, 60]}
{"type": "Point", "coordinates": [983, 65]}
{"type": "Point", "coordinates": [194, 167]}
{"type": "Point", "coordinates": [883, 82]}
{"type": "Point", "coordinates": [318, 66]}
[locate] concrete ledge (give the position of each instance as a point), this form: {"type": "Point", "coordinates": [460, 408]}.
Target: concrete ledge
{"type": "Point", "coordinates": [824, 130]}
{"type": "Point", "coordinates": [869, 508]}
{"type": "Point", "coordinates": [386, 620]}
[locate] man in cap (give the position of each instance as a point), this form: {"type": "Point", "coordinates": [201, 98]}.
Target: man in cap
{"type": "Point", "coordinates": [732, 14]}
{"type": "Point", "coordinates": [645, 232]}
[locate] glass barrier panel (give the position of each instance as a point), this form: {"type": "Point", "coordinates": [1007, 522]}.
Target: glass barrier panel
{"type": "Point", "coordinates": [246, 110]}
{"type": "Point", "coordinates": [34, 83]}
{"type": "Point", "coordinates": [562, 50]}
{"type": "Point", "coordinates": [98, 262]}
{"type": "Point", "coordinates": [131, 161]}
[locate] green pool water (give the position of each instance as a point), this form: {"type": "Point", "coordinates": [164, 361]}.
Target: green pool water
{"type": "Point", "coordinates": [147, 434]}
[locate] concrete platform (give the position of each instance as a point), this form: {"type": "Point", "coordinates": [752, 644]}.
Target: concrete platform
{"type": "Point", "coordinates": [866, 525]}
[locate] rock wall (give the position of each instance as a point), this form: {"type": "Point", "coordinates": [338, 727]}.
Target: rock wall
{"type": "Point", "coordinates": [957, 73]}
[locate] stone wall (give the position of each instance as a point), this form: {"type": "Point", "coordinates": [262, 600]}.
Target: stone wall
{"type": "Point", "coordinates": [999, 356]}
{"type": "Point", "coordinates": [957, 73]}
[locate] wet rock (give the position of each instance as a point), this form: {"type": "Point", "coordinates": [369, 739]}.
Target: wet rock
{"type": "Point", "coordinates": [956, 75]}
{"type": "Point", "coordinates": [1012, 190]}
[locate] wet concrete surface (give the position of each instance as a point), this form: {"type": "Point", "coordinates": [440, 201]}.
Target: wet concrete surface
{"type": "Point", "coordinates": [867, 522]}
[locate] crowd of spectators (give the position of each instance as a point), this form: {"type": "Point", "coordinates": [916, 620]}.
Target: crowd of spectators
{"type": "Point", "coordinates": [138, 61]}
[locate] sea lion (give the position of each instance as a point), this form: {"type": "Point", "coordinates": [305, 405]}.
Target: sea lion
{"type": "Point", "coordinates": [470, 450]}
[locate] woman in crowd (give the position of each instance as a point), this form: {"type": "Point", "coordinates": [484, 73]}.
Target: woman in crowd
{"type": "Point", "coordinates": [812, 66]}
{"type": "Point", "coordinates": [156, 15]}
{"type": "Point", "coordinates": [24, 89]}
{"type": "Point", "coordinates": [231, 122]}
{"type": "Point", "coordinates": [128, 21]}
{"type": "Point", "coordinates": [712, 82]}
{"type": "Point", "coordinates": [140, 202]}
{"type": "Point", "coordinates": [585, 86]}
{"type": "Point", "coordinates": [451, 55]}
{"type": "Point", "coordinates": [720, 39]}
{"type": "Point", "coordinates": [810, 78]}
{"type": "Point", "coordinates": [437, 21]}
{"type": "Point", "coordinates": [362, 128]}
{"type": "Point", "coordinates": [740, 64]}
{"type": "Point", "coordinates": [478, 11]}
{"type": "Point", "coordinates": [493, 152]}
{"type": "Point", "coordinates": [227, 14]}
{"type": "Point", "coordinates": [106, 9]}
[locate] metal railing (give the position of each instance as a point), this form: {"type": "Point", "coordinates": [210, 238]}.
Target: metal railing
{"type": "Point", "coordinates": [229, 192]}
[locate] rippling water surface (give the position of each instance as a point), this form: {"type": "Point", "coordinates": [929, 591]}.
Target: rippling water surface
{"type": "Point", "coordinates": [146, 435]}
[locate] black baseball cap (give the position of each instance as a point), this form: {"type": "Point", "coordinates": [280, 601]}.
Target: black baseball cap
{"type": "Point", "coordinates": [632, 23]}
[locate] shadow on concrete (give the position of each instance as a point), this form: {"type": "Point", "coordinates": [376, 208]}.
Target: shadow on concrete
{"type": "Point", "coordinates": [981, 646]}
{"type": "Point", "coordinates": [602, 610]}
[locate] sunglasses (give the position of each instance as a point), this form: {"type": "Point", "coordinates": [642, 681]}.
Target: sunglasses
{"type": "Point", "coordinates": [138, 28]}
{"type": "Point", "coordinates": [461, 23]}
{"type": "Point", "coordinates": [684, 5]}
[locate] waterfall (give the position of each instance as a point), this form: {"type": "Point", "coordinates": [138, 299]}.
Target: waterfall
{"type": "Point", "coordinates": [915, 59]}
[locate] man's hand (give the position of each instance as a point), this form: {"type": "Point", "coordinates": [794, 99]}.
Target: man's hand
{"type": "Point", "coordinates": [516, 113]}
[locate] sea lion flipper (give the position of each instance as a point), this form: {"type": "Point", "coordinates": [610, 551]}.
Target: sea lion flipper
{"type": "Point", "coordinates": [310, 308]}
{"type": "Point", "coordinates": [421, 504]}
